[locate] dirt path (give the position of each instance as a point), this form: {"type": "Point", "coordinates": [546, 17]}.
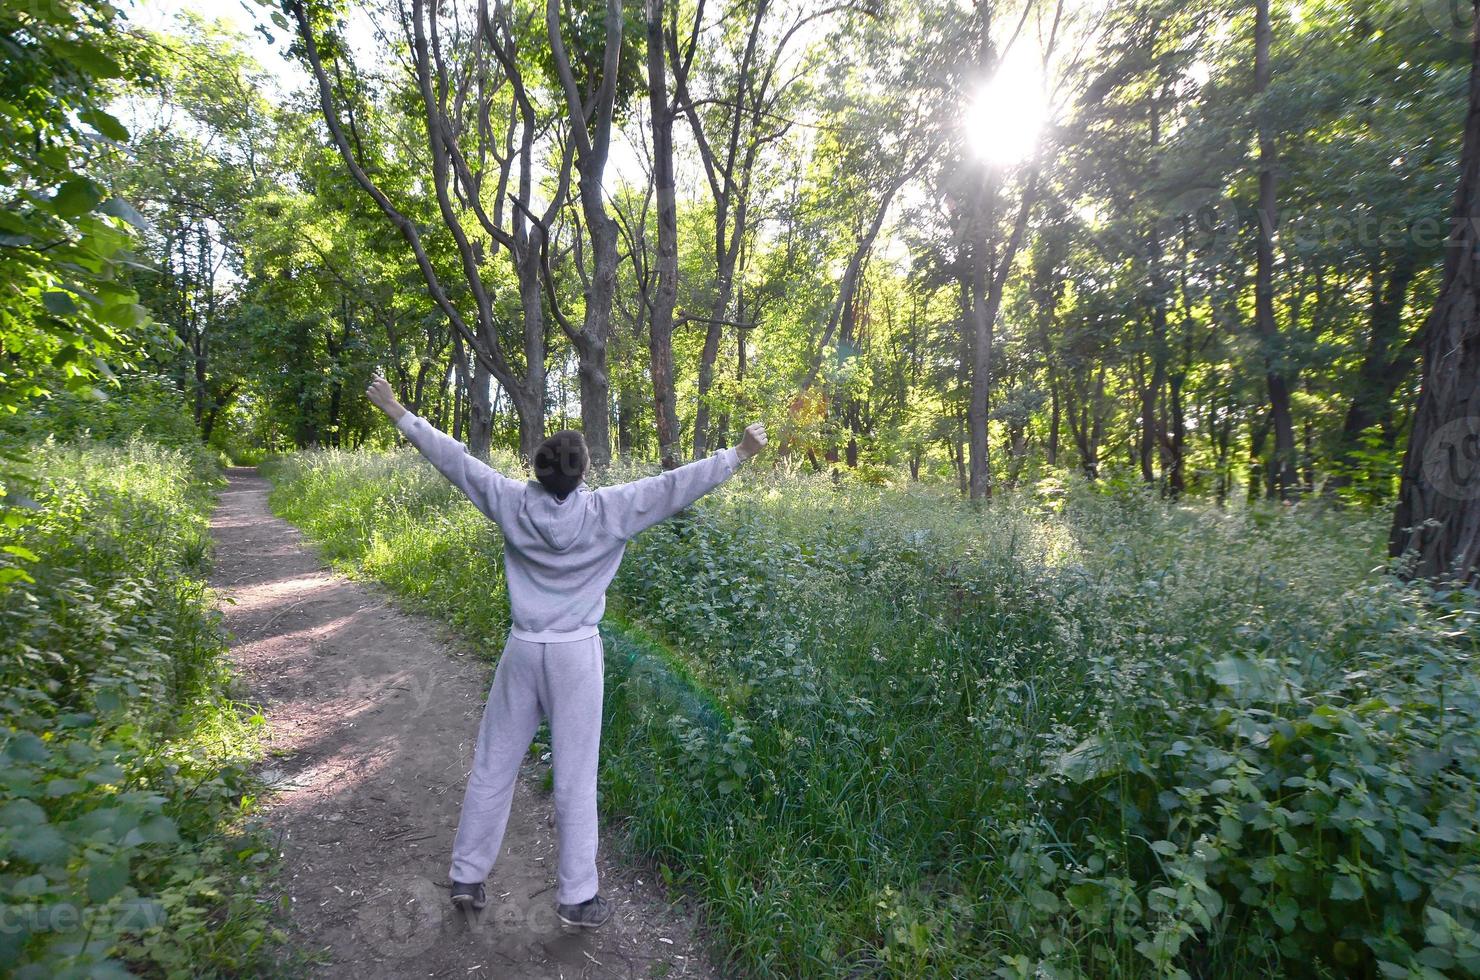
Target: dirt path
{"type": "Point", "coordinates": [372, 714]}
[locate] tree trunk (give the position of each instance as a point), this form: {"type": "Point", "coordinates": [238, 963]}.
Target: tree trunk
{"type": "Point", "coordinates": [958, 454]}
{"type": "Point", "coordinates": [629, 415]}
{"type": "Point", "coordinates": [529, 398]}
{"type": "Point", "coordinates": [1276, 380]}
{"type": "Point", "coordinates": [988, 281]}
{"type": "Point", "coordinates": [591, 340]}
{"type": "Point", "coordinates": [530, 407]}
{"type": "Point", "coordinates": [596, 386]}
{"type": "Point", "coordinates": [722, 438]}
{"type": "Point", "coordinates": [977, 413]}
{"type": "Point", "coordinates": [480, 411]}
{"type": "Point", "coordinates": [1386, 363]}
{"type": "Point", "coordinates": [1052, 449]}
{"type": "Point", "coordinates": [591, 117]}
{"type": "Point", "coordinates": [1176, 444]}
{"type": "Point", "coordinates": [1153, 427]}
{"type": "Point", "coordinates": [1147, 390]}
{"type": "Point", "coordinates": [1438, 513]}
{"type": "Point", "coordinates": [660, 325]}
{"type": "Point", "coordinates": [1258, 465]}
{"type": "Point", "coordinates": [1017, 435]}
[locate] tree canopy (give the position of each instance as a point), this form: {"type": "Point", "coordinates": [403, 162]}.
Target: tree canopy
{"type": "Point", "coordinates": [1186, 246]}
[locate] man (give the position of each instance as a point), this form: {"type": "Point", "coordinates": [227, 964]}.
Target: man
{"type": "Point", "coordinates": [562, 545]}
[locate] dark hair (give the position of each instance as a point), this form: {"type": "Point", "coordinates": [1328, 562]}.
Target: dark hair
{"type": "Point", "coordinates": [560, 462]}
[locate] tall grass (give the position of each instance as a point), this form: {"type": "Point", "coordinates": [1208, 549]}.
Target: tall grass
{"type": "Point", "coordinates": [122, 759]}
{"type": "Point", "coordinates": [1091, 734]}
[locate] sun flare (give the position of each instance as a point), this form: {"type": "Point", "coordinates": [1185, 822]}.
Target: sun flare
{"type": "Point", "coordinates": [1005, 117]}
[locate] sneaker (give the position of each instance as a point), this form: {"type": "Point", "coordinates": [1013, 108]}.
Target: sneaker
{"type": "Point", "coordinates": [468, 896]}
{"type": "Point", "coordinates": [590, 914]}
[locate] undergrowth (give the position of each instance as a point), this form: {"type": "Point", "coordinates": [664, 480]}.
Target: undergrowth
{"type": "Point", "coordinates": [125, 843]}
{"type": "Point", "coordinates": [1067, 734]}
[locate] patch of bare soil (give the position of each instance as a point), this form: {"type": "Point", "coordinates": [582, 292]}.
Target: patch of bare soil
{"type": "Point", "coordinates": [373, 714]}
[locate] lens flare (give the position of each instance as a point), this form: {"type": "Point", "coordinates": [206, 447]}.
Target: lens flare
{"type": "Point", "coordinates": [1005, 117]}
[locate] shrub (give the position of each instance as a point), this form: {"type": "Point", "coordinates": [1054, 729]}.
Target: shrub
{"type": "Point", "coordinates": [139, 406]}
{"type": "Point", "coordinates": [122, 765]}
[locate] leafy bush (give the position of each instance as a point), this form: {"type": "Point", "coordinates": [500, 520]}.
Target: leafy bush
{"type": "Point", "coordinates": [140, 406]}
{"type": "Point", "coordinates": [122, 765]}
{"type": "Point", "coordinates": [1074, 733]}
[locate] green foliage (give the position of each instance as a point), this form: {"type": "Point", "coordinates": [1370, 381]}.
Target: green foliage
{"type": "Point", "coordinates": [1076, 733]}
{"type": "Point", "coordinates": [583, 32]}
{"type": "Point", "coordinates": [1369, 473]}
{"type": "Point", "coordinates": [139, 405]}
{"type": "Point", "coordinates": [123, 777]}
{"type": "Point", "coordinates": [64, 308]}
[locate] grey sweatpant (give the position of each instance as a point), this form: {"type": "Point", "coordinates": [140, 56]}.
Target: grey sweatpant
{"type": "Point", "coordinates": [562, 682]}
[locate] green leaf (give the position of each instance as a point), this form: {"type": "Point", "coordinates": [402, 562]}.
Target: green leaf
{"type": "Point", "coordinates": [22, 813]}
{"type": "Point", "coordinates": [119, 208]}
{"type": "Point", "coordinates": [29, 887]}
{"type": "Point", "coordinates": [107, 879]}
{"type": "Point", "coordinates": [114, 819]}
{"type": "Point", "coordinates": [1285, 911]}
{"type": "Point", "coordinates": [64, 787]}
{"type": "Point", "coordinates": [1088, 760]}
{"type": "Point", "coordinates": [104, 123]}
{"type": "Point", "coordinates": [1346, 889]}
{"type": "Point", "coordinates": [92, 60]}
{"type": "Point", "coordinates": [1085, 894]}
{"type": "Point", "coordinates": [26, 747]}
{"type": "Point", "coordinates": [59, 302]}
{"type": "Point", "coordinates": [1432, 956]}
{"type": "Point", "coordinates": [159, 830]}
{"type": "Point", "coordinates": [1450, 835]}
{"type": "Point", "coordinates": [26, 554]}
{"type": "Point", "coordinates": [138, 914]}
{"type": "Point", "coordinates": [124, 316]}
{"type": "Point", "coordinates": [41, 845]}
{"type": "Point", "coordinates": [105, 774]}
{"type": "Point", "coordinates": [75, 197]}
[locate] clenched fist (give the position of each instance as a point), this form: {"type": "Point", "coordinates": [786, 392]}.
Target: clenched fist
{"type": "Point", "coordinates": [383, 398]}
{"type": "Point", "coordinates": [753, 442]}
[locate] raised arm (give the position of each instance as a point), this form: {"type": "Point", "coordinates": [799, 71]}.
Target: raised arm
{"type": "Point", "coordinates": [488, 489]}
{"type": "Point", "coordinates": [631, 508]}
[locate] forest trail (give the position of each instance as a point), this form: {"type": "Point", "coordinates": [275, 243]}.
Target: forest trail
{"type": "Point", "coordinates": [372, 714]}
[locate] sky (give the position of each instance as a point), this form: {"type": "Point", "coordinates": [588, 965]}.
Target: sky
{"type": "Point", "coordinates": [245, 16]}
{"type": "Point", "coordinates": [241, 15]}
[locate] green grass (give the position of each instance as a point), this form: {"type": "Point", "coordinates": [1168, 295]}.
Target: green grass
{"type": "Point", "coordinates": [125, 835]}
{"type": "Point", "coordinates": [876, 731]}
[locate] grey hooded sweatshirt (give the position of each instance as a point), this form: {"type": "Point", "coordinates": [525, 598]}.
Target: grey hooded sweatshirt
{"type": "Point", "coordinates": [560, 555]}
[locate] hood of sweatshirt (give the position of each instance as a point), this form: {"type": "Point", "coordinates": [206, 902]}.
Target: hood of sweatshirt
{"type": "Point", "coordinates": [558, 523]}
